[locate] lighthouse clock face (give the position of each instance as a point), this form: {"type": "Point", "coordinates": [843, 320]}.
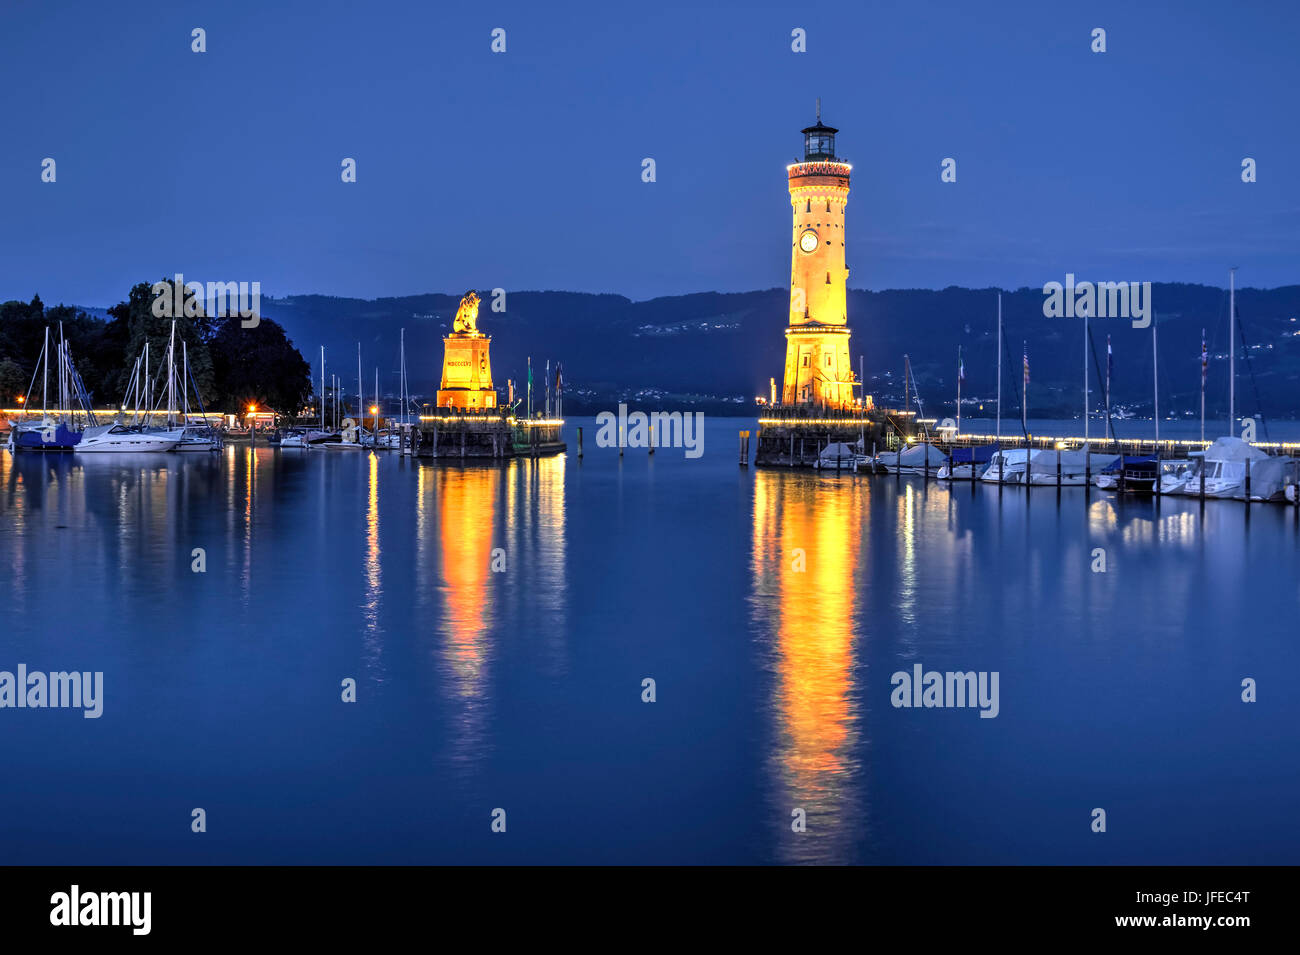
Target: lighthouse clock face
{"type": "Point", "coordinates": [808, 241]}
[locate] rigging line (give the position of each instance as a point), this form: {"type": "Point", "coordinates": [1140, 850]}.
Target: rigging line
{"type": "Point", "coordinates": [1006, 344]}
{"type": "Point", "coordinates": [1093, 348]}
{"type": "Point", "coordinates": [1259, 405]}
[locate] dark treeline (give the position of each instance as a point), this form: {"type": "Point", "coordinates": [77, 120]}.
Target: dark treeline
{"type": "Point", "coordinates": [232, 366]}
{"type": "Point", "coordinates": [683, 347]}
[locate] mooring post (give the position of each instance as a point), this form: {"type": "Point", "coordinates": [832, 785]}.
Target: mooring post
{"type": "Point", "coordinates": [579, 442]}
{"type": "Point", "coordinates": [1156, 486]}
{"type": "Point", "coordinates": [951, 475]}
{"type": "Point", "coordinates": [1058, 467]}
{"type": "Point", "coordinates": [652, 437]}
{"type": "Point", "coordinates": [1245, 488]}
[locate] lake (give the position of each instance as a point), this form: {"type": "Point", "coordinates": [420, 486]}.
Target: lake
{"type": "Point", "coordinates": [499, 623]}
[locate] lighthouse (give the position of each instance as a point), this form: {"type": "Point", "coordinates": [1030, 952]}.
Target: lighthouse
{"type": "Point", "coordinates": [818, 372]}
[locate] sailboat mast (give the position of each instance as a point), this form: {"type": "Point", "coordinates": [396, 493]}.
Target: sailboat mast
{"type": "Point", "coordinates": [907, 401]}
{"type": "Point", "coordinates": [1085, 378]}
{"type": "Point", "coordinates": [1232, 350]}
{"type": "Point", "coordinates": [1110, 432]}
{"type": "Point", "coordinates": [401, 378]}
{"type": "Point", "coordinates": [1155, 373]}
{"type": "Point", "coordinates": [322, 387]}
{"type": "Point", "coordinates": [959, 370]}
{"type": "Point", "coordinates": [62, 364]}
{"type": "Point", "coordinates": [185, 378]}
{"type": "Point", "coordinates": [171, 372]}
{"type": "Point", "coordinates": [1203, 357]}
{"type": "Point", "coordinates": [999, 366]}
{"type": "Point", "coordinates": [45, 374]}
{"type": "Point", "coordinates": [1024, 390]}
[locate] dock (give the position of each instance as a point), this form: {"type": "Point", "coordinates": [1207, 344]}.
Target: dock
{"type": "Point", "coordinates": [483, 437]}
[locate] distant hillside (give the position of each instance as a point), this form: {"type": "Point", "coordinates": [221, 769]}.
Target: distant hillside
{"type": "Point", "coordinates": [717, 350]}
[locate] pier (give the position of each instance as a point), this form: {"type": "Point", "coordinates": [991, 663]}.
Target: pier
{"type": "Point", "coordinates": [492, 437]}
{"type": "Point", "coordinates": [793, 437]}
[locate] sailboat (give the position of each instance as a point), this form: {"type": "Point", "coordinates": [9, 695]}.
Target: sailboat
{"type": "Point", "coordinates": [58, 430]}
{"type": "Point", "coordinates": [137, 436]}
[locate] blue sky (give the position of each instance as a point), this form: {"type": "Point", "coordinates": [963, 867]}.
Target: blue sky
{"type": "Point", "coordinates": [523, 169]}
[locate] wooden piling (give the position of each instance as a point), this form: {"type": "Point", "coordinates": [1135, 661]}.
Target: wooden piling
{"type": "Point", "coordinates": [579, 442]}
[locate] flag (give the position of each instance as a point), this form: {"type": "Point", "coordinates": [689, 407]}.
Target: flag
{"type": "Point", "coordinates": [1110, 360]}
{"type": "Point", "coordinates": [1205, 358]}
{"type": "Point", "coordinates": [961, 366]}
{"type": "Point", "coordinates": [559, 380]}
{"type": "Point", "coordinates": [1026, 359]}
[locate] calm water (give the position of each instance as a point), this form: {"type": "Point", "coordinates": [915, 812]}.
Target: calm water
{"type": "Point", "coordinates": [522, 689]}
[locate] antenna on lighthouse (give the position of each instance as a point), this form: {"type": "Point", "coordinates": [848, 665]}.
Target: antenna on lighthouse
{"type": "Point", "coordinates": [819, 109]}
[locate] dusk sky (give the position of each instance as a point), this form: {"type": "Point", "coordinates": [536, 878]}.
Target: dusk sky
{"type": "Point", "coordinates": [523, 169]}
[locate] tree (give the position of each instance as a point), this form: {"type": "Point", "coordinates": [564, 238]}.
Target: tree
{"type": "Point", "coordinates": [12, 382]}
{"type": "Point", "coordinates": [140, 324]}
{"type": "Point", "coordinates": [258, 366]}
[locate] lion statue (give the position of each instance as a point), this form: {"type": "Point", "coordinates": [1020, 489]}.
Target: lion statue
{"type": "Point", "coordinates": [467, 315]}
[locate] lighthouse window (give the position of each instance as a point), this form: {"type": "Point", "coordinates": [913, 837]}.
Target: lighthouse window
{"type": "Point", "coordinates": [805, 361]}
{"type": "Point", "coordinates": [828, 205]}
{"type": "Point", "coordinates": [808, 207]}
{"type": "Point", "coordinates": [828, 361]}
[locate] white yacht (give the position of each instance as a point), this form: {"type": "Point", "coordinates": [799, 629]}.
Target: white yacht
{"type": "Point", "coordinates": [120, 438]}
{"type": "Point", "coordinates": [1074, 466]}
{"type": "Point", "coordinates": [198, 438]}
{"type": "Point", "coordinates": [1224, 466]}
{"type": "Point", "coordinates": [837, 457]}
{"type": "Point", "coordinates": [1007, 466]}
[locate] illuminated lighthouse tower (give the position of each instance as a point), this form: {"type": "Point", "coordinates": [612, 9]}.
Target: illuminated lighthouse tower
{"type": "Point", "coordinates": [817, 367]}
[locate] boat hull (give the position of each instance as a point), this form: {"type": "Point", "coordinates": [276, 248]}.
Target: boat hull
{"type": "Point", "coordinates": [29, 437]}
